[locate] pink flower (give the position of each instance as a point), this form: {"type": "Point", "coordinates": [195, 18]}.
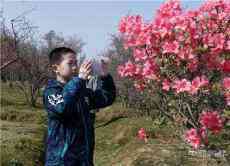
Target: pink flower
{"type": "Point", "coordinates": [226, 66]}
{"type": "Point", "coordinates": [140, 86]}
{"type": "Point", "coordinates": [204, 135]}
{"type": "Point", "coordinates": [139, 55]}
{"type": "Point", "coordinates": [171, 47]}
{"type": "Point", "coordinates": [181, 85]}
{"type": "Point", "coordinates": [197, 83]}
{"type": "Point", "coordinates": [122, 25]}
{"type": "Point", "coordinates": [212, 61]}
{"type": "Point", "coordinates": [227, 98]}
{"type": "Point", "coordinates": [226, 83]}
{"type": "Point", "coordinates": [228, 45]}
{"type": "Point", "coordinates": [192, 65]}
{"type": "Point", "coordinates": [211, 121]}
{"type": "Point", "coordinates": [150, 68]}
{"type": "Point", "coordinates": [218, 42]}
{"type": "Point", "coordinates": [121, 70]}
{"type": "Point", "coordinates": [142, 134]}
{"type": "Point", "coordinates": [196, 137]}
{"type": "Point", "coordinates": [186, 54]}
{"type": "Point", "coordinates": [214, 41]}
{"type": "Point", "coordinates": [131, 24]}
{"type": "Point", "coordinates": [169, 9]}
{"type": "Point", "coordinates": [166, 85]}
{"type": "Point", "coordinates": [130, 69]}
{"type": "Point", "coordinates": [226, 88]}
{"type": "Point", "coordinates": [193, 138]}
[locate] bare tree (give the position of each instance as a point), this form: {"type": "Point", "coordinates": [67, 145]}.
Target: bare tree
{"type": "Point", "coordinates": [21, 30]}
{"type": "Point", "coordinates": [25, 59]}
{"type": "Point", "coordinates": [22, 58]}
{"type": "Point", "coordinates": [52, 40]}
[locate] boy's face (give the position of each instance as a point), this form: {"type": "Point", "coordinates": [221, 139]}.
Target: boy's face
{"type": "Point", "coordinates": [67, 67]}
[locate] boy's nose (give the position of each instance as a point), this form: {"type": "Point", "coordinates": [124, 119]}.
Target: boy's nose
{"type": "Point", "coordinates": [75, 69]}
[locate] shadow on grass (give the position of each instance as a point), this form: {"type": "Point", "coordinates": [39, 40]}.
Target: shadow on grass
{"type": "Point", "coordinates": [114, 119]}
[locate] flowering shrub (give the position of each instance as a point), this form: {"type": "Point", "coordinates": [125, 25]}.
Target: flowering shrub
{"type": "Point", "coordinates": [183, 56]}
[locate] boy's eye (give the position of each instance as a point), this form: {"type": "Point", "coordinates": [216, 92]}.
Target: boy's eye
{"type": "Point", "coordinates": [72, 63]}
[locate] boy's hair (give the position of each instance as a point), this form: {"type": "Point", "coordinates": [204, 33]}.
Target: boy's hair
{"type": "Point", "coordinates": [56, 54]}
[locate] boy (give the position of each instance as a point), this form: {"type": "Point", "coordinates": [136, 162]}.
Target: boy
{"type": "Point", "coordinates": [68, 103]}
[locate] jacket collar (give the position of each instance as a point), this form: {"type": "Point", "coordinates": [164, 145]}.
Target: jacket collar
{"type": "Point", "coordinates": [54, 83]}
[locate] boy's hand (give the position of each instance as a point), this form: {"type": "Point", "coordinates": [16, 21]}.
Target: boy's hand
{"type": "Point", "coordinates": [85, 69]}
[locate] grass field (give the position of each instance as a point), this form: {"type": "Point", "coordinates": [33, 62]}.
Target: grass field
{"type": "Point", "coordinates": [23, 129]}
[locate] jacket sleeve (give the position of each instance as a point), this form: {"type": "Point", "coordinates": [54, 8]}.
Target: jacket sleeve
{"type": "Point", "coordinates": [103, 96]}
{"type": "Point", "coordinates": [61, 103]}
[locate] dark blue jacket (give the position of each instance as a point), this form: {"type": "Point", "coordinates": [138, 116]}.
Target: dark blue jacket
{"type": "Point", "coordinates": [69, 126]}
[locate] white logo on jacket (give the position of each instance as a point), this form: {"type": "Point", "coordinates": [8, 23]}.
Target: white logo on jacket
{"type": "Point", "coordinates": [86, 100]}
{"type": "Point", "coordinates": [55, 99]}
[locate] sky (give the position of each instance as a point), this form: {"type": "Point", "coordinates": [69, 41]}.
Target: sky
{"type": "Point", "coordinates": [92, 21]}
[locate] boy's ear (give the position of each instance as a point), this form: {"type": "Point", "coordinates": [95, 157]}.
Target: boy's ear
{"type": "Point", "coordinates": [53, 68]}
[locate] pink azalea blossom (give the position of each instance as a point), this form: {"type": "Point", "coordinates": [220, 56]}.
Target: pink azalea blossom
{"type": "Point", "coordinates": [216, 42]}
{"type": "Point", "coordinates": [228, 45]}
{"type": "Point", "coordinates": [226, 88]}
{"type": "Point", "coordinates": [227, 98]}
{"type": "Point", "coordinates": [196, 137]}
{"type": "Point", "coordinates": [171, 47]}
{"type": "Point", "coordinates": [226, 66]}
{"type": "Point", "coordinates": [169, 9]}
{"type": "Point", "coordinates": [139, 54]}
{"type": "Point", "coordinates": [140, 86]}
{"type": "Point", "coordinates": [142, 134]}
{"type": "Point", "coordinates": [226, 83]}
{"type": "Point", "coordinates": [193, 138]}
{"type": "Point", "coordinates": [197, 83]}
{"type": "Point", "coordinates": [131, 24]}
{"type": "Point", "coordinates": [181, 85]}
{"type": "Point", "coordinates": [192, 65]}
{"type": "Point", "coordinates": [186, 54]}
{"type": "Point", "coordinates": [130, 69]}
{"type": "Point", "coordinates": [203, 134]}
{"type": "Point", "coordinates": [149, 69]}
{"type": "Point", "coordinates": [166, 85]}
{"type": "Point", "coordinates": [211, 121]}
{"type": "Point", "coordinates": [122, 25]}
{"type": "Point", "coordinates": [121, 70]}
